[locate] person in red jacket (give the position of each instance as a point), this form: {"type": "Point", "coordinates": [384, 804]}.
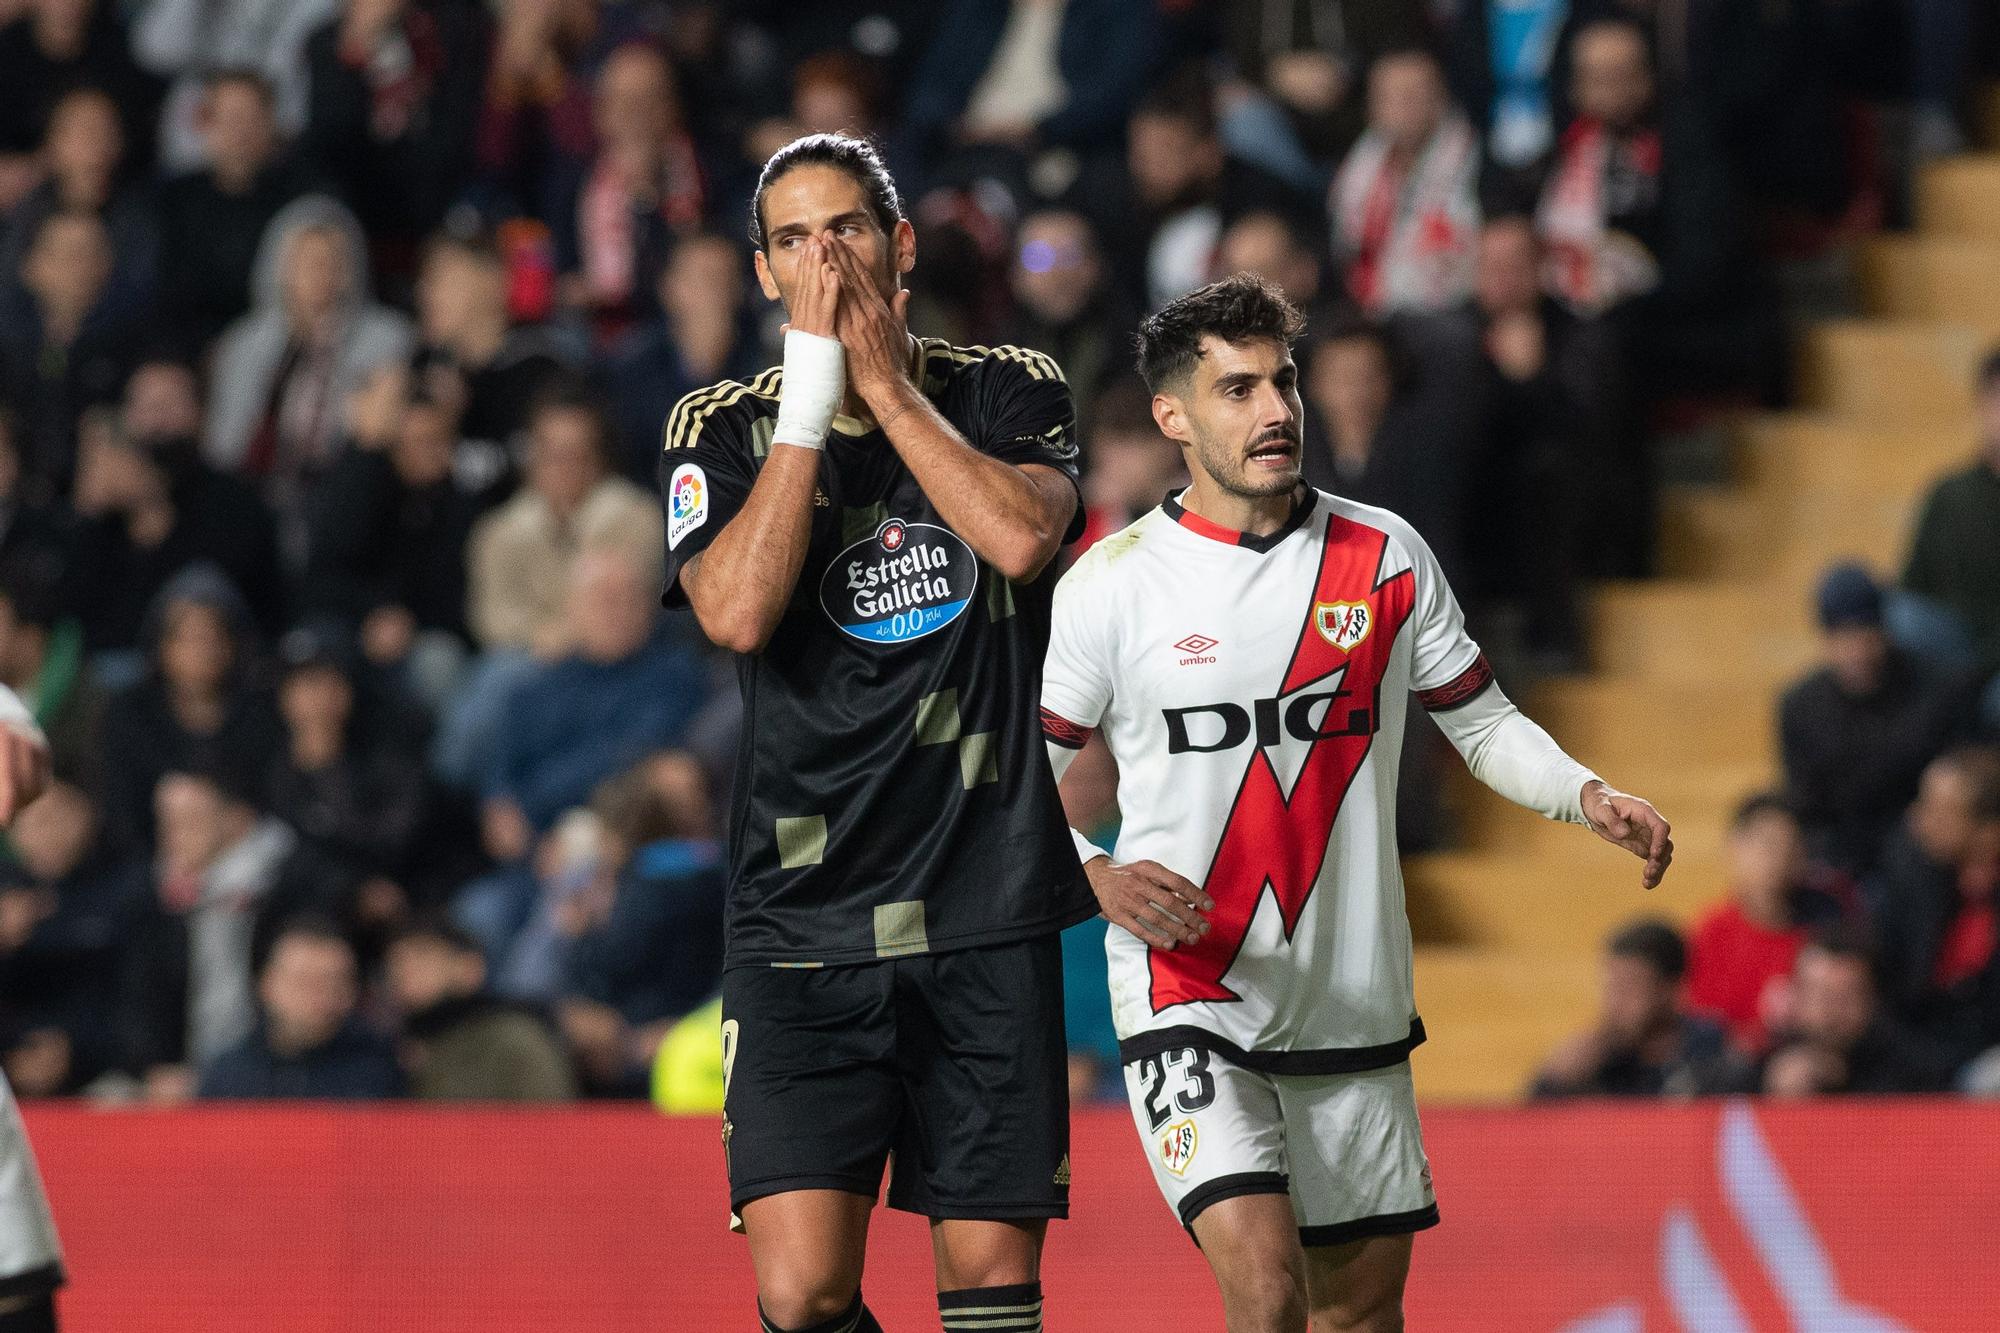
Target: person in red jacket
{"type": "Point", "coordinates": [1743, 946]}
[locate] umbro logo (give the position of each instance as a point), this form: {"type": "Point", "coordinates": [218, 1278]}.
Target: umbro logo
{"type": "Point", "coordinates": [1196, 647]}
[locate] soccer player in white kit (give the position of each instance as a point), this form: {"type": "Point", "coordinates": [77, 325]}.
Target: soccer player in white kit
{"type": "Point", "coordinates": [1248, 651]}
{"type": "Point", "coordinates": [30, 1259]}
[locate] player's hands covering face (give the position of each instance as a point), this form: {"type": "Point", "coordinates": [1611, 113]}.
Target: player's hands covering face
{"type": "Point", "coordinates": [875, 332]}
{"type": "Point", "coordinates": [1151, 901]}
{"type": "Point", "coordinates": [816, 299]}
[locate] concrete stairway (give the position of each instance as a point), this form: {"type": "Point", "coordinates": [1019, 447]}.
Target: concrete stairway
{"type": "Point", "coordinates": [1682, 705]}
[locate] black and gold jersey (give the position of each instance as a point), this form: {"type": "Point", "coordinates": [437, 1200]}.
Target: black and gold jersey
{"type": "Point", "coordinates": [893, 794]}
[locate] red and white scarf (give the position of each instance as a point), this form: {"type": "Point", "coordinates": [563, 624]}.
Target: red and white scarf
{"type": "Point", "coordinates": [1410, 236]}
{"type": "Point", "coordinates": [1592, 267]}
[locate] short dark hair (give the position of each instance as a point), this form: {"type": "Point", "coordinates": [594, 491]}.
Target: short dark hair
{"type": "Point", "coordinates": [859, 158]}
{"type": "Point", "coordinates": [1654, 942]}
{"type": "Point", "coordinates": [1759, 804]}
{"type": "Point", "coordinates": [305, 926]}
{"type": "Point", "coordinates": [1236, 309]}
{"type": "Point", "coordinates": [247, 75]}
{"type": "Point", "coordinates": [570, 392]}
{"type": "Point", "coordinates": [1845, 940]}
{"type": "Point", "coordinates": [439, 931]}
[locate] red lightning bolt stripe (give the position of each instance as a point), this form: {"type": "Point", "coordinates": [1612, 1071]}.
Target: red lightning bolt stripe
{"type": "Point", "coordinates": [1279, 842]}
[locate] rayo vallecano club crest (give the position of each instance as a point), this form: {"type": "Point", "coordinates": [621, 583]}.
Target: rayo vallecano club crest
{"type": "Point", "coordinates": [1343, 624]}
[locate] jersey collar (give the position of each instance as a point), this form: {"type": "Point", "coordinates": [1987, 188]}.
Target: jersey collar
{"type": "Point", "coordinates": [1302, 508]}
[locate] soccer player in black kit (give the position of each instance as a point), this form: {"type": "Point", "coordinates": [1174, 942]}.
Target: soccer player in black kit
{"type": "Point", "coordinates": [871, 529]}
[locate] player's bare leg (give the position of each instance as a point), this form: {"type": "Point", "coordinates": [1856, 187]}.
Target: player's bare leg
{"type": "Point", "coordinates": [1252, 1244]}
{"type": "Point", "coordinates": [807, 1247]}
{"type": "Point", "coordinates": [1358, 1287]}
{"type": "Point", "coordinates": [986, 1254]}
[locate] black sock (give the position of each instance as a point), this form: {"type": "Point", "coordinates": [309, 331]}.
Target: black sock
{"type": "Point", "coordinates": [1015, 1309]}
{"type": "Point", "coordinates": [854, 1319]}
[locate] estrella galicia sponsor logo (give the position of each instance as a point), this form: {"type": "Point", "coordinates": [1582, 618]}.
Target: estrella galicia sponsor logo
{"type": "Point", "coordinates": [905, 581]}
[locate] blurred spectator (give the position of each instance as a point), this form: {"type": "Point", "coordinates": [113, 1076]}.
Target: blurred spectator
{"type": "Point", "coordinates": [1551, 384]}
{"type": "Point", "coordinates": [1954, 564]}
{"type": "Point", "coordinates": [42, 661]}
{"type": "Point", "coordinates": [628, 685]}
{"type": "Point", "coordinates": [389, 526]}
{"type": "Point", "coordinates": [63, 346]}
{"type": "Point", "coordinates": [1276, 246]}
{"type": "Point", "coordinates": [1835, 1038]}
{"type": "Point", "coordinates": [699, 335]}
{"type": "Point", "coordinates": [1065, 304]}
{"type": "Point", "coordinates": [1132, 466]}
{"type": "Point", "coordinates": [650, 950]}
{"type": "Point", "coordinates": [519, 561]}
{"type": "Point", "coordinates": [307, 1042]}
{"type": "Point", "coordinates": [459, 1043]}
{"type": "Point", "coordinates": [395, 87]}
{"type": "Point", "coordinates": [355, 797]}
{"type": "Point", "coordinates": [471, 361]}
{"type": "Point", "coordinates": [60, 931]}
{"type": "Point", "coordinates": [283, 371]}
{"type": "Point", "coordinates": [197, 43]}
{"type": "Point", "coordinates": [1310, 60]}
{"type": "Point", "coordinates": [1405, 204]}
{"type": "Point", "coordinates": [148, 511]}
{"type": "Point", "coordinates": [186, 988]}
{"type": "Point", "coordinates": [1644, 1044]}
{"type": "Point", "coordinates": [1858, 731]}
{"type": "Point", "coordinates": [1938, 907]}
{"type": "Point", "coordinates": [200, 705]}
{"type": "Point", "coordinates": [1031, 74]}
{"type": "Point", "coordinates": [1184, 190]}
{"type": "Point", "coordinates": [616, 221]}
{"type": "Point", "coordinates": [535, 125]}
{"type": "Point", "coordinates": [1740, 948]}
{"type": "Point", "coordinates": [49, 47]}
{"type": "Point", "coordinates": [1641, 222]}
{"type": "Point", "coordinates": [213, 218]}
{"type": "Point", "coordinates": [833, 92]}
{"type": "Point", "coordinates": [88, 165]}
{"type": "Point", "coordinates": [1372, 436]}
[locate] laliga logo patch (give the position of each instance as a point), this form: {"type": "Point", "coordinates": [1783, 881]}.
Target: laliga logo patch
{"type": "Point", "coordinates": [687, 502]}
{"type": "Point", "coordinates": [1343, 624]}
{"type": "Point", "coordinates": [1177, 1145]}
{"type": "Point", "coordinates": [905, 581]}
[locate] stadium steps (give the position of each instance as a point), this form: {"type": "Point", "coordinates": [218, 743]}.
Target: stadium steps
{"type": "Point", "coordinates": [1682, 702]}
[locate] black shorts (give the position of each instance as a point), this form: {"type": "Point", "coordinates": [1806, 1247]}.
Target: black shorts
{"type": "Point", "coordinates": [952, 1062]}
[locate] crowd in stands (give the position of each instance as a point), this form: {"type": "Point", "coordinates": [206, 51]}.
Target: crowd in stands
{"type": "Point", "coordinates": [1859, 947]}
{"type": "Point", "coordinates": [338, 336]}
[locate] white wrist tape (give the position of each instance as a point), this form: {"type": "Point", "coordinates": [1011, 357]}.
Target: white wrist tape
{"type": "Point", "coordinates": [815, 382]}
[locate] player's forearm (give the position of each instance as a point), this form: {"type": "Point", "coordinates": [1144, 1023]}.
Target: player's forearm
{"type": "Point", "coordinates": [1060, 758]}
{"type": "Point", "coordinates": [739, 587]}
{"type": "Point", "coordinates": [1000, 511]}
{"type": "Point", "coordinates": [1515, 757]}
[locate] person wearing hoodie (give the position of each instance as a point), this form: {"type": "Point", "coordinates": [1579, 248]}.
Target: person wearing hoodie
{"type": "Point", "coordinates": [202, 702]}
{"type": "Point", "coordinates": [283, 372]}
{"type": "Point", "coordinates": [308, 1041]}
{"type": "Point", "coordinates": [186, 991]}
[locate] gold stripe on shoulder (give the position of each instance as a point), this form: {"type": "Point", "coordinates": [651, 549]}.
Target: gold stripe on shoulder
{"type": "Point", "coordinates": [685, 422]}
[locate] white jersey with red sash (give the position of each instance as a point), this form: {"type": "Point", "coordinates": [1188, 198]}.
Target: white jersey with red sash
{"type": "Point", "coordinates": [1253, 692]}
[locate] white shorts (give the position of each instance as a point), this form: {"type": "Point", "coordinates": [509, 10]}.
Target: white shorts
{"type": "Point", "coordinates": [1346, 1147]}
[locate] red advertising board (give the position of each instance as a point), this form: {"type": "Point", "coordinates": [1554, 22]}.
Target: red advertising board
{"type": "Point", "coordinates": [1848, 1217]}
